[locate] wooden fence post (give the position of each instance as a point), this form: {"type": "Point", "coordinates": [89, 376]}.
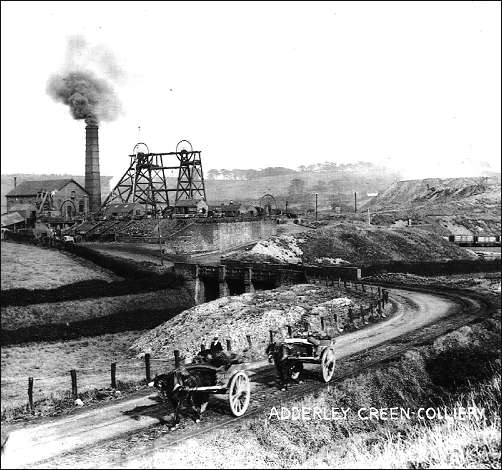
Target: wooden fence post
{"type": "Point", "coordinates": [114, 375]}
{"type": "Point", "coordinates": [248, 337]}
{"type": "Point", "coordinates": [30, 393]}
{"type": "Point", "coordinates": [290, 331]}
{"type": "Point", "coordinates": [271, 333]}
{"type": "Point", "coordinates": [147, 367]}
{"type": "Point", "coordinates": [229, 345]}
{"type": "Point", "coordinates": [74, 391]}
{"type": "Point", "coordinates": [177, 361]}
{"type": "Point", "coordinates": [323, 325]}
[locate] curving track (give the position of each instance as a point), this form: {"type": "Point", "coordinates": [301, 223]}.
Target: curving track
{"type": "Point", "coordinates": [129, 426]}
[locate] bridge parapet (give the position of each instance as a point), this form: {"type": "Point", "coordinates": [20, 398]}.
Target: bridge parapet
{"type": "Point", "coordinates": [213, 281]}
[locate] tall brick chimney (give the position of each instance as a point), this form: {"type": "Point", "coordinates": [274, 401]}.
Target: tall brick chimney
{"type": "Point", "coordinates": [92, 176]}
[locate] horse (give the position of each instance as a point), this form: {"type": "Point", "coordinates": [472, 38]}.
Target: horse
{"type": "Point", "coordinates": [287, 370]}
{"type": "Point", "coordinates": [171, 388]}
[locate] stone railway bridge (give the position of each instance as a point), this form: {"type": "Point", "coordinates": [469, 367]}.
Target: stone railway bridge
{"type": "Point", "coordinates": [209, 282]}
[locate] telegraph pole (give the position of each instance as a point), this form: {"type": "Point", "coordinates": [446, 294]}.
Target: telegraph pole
{"type": "Point", "coordinates": [355, 201]}
{"type": "Point", "coordinates": [316, 195]}
{"type": "Point", "coordinates": [160, 246]}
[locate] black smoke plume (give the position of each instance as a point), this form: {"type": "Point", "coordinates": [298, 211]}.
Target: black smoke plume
{"type": "Point", "coordinates": [89, 93]}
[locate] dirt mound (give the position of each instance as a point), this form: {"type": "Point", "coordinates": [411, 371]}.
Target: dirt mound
{"type": "Point", "coordinates": [359, 245]}
{"type": "Point", "coordinates": [248, 314]}
{"type": "Point", "coordinates": [282, 249]}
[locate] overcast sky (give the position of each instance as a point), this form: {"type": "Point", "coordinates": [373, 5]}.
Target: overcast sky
{"type": "Point", "coordinates": [415, 85]}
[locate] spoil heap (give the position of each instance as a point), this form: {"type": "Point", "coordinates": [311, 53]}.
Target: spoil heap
{"type": "Point", "coordinates": [249, 314]}
{"type": "Point", "coordinates": [359, 245]}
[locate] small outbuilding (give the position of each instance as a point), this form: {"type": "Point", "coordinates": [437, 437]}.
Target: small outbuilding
{"type": "Point", "coordinates": [125, 210]}
{"type": "Point", "coordinates": [190, 207]}
{"type": "Point", "coordinates": [232, 209]}
{"type": "Point", "coordinates": [12, 220]}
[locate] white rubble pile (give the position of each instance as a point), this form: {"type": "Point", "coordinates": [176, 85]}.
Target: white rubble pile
{"type": "Point", "coordinates": [284, 249]}
{"type": "Point", "coordinates": [326, 260]}
{"type": "Point", "coordinates": [247, 314]}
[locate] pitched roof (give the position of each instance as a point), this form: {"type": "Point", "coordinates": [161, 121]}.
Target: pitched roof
{"type": "Point", "coordinates": [31, 188]}
{"type": "Point", "coordinates": [187, 202]}
{"type": "Point", "coordinates": [11, 218]}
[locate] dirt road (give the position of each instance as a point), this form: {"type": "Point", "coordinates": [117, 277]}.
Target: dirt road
{"type": "Point", "coordinates": [88, 429]}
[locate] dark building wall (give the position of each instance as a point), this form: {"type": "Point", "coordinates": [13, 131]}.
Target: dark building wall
{"type": "Point", "coordinates": [12, 200]}
{"type": "Point", "coordinates": [71, 194]}
{"type": "Point", "coordinates": [220, 235]}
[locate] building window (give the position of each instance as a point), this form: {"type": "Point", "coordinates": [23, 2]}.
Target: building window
{"type": "Point", "coordinates": [73, 195]}
{"type": "Point", "coordinates": [81, 206]}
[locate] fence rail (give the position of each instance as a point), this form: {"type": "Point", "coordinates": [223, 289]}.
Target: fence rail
{"type": "Point", "coordinates": [77, 377]}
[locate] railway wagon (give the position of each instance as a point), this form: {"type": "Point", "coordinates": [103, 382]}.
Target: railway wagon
{"type": "Point", "coordinates": [475, 240]}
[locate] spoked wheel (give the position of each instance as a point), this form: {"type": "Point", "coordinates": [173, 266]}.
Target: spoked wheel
{"type": "Point", "coordinates": [239, 393]}
{"type": "Point", "coordinates": [328, 364]}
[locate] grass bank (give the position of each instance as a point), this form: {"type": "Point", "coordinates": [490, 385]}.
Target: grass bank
{"type": "Point", "coordinates": [460, 369]}
{"type": "Point", "coordinates": [89, 317]}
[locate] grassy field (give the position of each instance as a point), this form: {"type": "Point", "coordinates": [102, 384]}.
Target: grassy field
{"type": "Point", "coordinates": [14, 317]}
{"type": "Point", "coordinates": [32, 267]}
{"type": "Point", "coordinates": [50, 362]}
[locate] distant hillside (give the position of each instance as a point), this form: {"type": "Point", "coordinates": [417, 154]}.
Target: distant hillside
{"type": "Point", "coordinates": [252, 174]}
{"type": "Point", "coordinates": [335, 185]}
{"type": "Point", "coordinates": [7, 183]}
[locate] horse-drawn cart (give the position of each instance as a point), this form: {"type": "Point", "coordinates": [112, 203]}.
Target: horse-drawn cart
{"type": "Point", "coordinates": [234, 382]}
{"type": "Point", "coordinates": [312, 350]}
{"type": "Point", "coordinates": [204, 379]}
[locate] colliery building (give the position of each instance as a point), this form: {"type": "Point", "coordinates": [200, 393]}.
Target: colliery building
{"type": "Point", "coordinates": [61, 197]}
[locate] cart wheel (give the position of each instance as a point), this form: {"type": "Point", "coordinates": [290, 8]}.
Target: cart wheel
{"type": "Point", "coordinates": [328, 364]}
{"type": "Point", "coordinates": [239, 393]}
